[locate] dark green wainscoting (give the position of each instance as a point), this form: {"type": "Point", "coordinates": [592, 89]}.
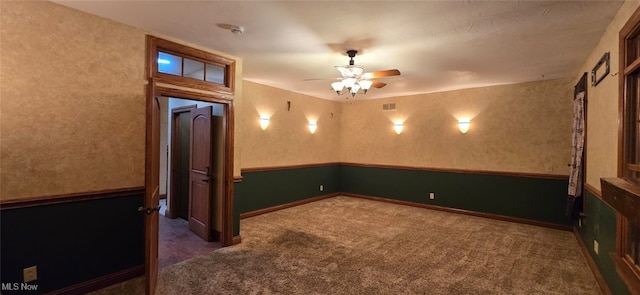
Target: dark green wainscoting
{"type": "Point", "coordinates": [536, 198]}
{"type": "Point", "coordinates": [273, 187]}
{"type": "Point", "coordinates": [600, 225]}
{"type": "Point", "coordinates": [533, 198]}
{"type": "Point", "coordinates": [72, 242]}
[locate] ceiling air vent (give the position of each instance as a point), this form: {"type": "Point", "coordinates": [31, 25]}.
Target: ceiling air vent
{"type": "Point", "coordinates": [389, 107]}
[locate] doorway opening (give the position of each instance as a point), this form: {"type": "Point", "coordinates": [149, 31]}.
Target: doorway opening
{"type": "Point", "coordinates": [192, 134]}
{"type": "Point", "coordinates": [203, 77]}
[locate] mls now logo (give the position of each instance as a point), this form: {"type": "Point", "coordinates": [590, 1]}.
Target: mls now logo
{"type": "Point", "coordinates": [19, 287]}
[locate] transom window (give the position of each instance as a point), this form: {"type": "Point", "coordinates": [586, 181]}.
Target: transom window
{"type": "Point", "coordinates": [189, 68]}
{"type": "Point", "coordinates": [185, 66]}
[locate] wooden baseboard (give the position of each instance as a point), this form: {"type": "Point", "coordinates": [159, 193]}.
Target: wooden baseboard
{"type": "Point", "coordinates": [102, 282]}
{"type": "Point", "coordinates": [407, 203]}
{"type": "Point", "coordinates": [592, 265]}
{"type": "Point", "coordinates": [466, 212]}
{"type": "Point", "coordinates": [215, 235]}
{"type": "Point", "coordinates": [236, 240]}
{"type": "Point", "coordinates": [285, 206]}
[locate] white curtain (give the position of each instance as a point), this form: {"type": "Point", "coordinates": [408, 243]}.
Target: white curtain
{"type": "Point", "coordinates": [577, 151]}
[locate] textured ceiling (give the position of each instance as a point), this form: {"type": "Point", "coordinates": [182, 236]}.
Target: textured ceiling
{"type": "Point", "coordinates": [437, 45]}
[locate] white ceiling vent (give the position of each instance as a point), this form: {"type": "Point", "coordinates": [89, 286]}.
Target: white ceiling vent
{"type": "Point", "coordinates": [388, 107]}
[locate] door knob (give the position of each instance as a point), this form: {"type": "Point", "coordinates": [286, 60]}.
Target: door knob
{"type": "Point", "coordinates": [148, 211]}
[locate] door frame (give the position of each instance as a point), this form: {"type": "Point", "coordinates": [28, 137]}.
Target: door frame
{"type": "Point", "coordinates": [152, 188]}
{"type": "Point", "coordinates": [175, 150]}
{"type": "Point", "coordinates": [226, 235]}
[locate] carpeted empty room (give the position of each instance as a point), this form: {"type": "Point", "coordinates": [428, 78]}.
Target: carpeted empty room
{"type": "Point", "coordinates": [345, 245]}
{"type": "Point", "coordinates": [320, 147]}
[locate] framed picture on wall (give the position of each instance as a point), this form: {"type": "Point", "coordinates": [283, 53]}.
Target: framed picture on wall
{"type": "Point", "coordinates": [601, 70]}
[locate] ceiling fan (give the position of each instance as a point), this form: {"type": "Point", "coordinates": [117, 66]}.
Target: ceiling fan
{"type": "Point", "coordinates": [355, 79]}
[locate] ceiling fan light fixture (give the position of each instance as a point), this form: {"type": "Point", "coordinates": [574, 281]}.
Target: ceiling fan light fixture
{"type": "Point", "coordinates": [350, 71]}
{"type": "Point", "coordinates": [343, 71]}
{"type": "Point", "coordinates": [365, 85]}
{"type": "Point", "coordinates": [349, 82]}
{"type": "Point", "coordinates": [337, 87]}
{"type": "Point", "coordinates": [355, 71]}
{"type": "Point", "coordinates": [354, 79]}
{"type": "Point", "coordinates": [354, 89]}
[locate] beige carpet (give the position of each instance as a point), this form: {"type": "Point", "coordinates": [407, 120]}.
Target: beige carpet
{"type": "Point", "coordinates": [346, 245]}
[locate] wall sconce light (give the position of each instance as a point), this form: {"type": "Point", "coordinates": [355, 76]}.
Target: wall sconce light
{"type": "Point", "coordinates": [463, 125]}
{"type": "Point", "coordinates": [313, 127]}
{"type": "Point", "coordinates": [398, 127]}
{"type": "Point", "coordinates": [264, 123]}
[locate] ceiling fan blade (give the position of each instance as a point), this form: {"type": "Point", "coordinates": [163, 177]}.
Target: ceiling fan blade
{"type": "Point", "coordinates": [381, 74]}
{"type": "Point", "coordinates": [377, 84]}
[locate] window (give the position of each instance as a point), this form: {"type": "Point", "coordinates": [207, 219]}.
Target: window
{"type": "Point", "coordinates": [631, 104]}
{"type": "Point", "coordinates": [184, 66]}
{"type": "Point", "coordinates": [628, 235]}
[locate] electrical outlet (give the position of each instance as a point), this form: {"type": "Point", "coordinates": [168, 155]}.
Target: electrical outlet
{"type": "Point", "coordinates": [596, 246]}
{"type": "Point", "coordinates": [30, 274]}
{"type": "Point", "coordinates": [548, 167]}
{"type": "Point", "coordinates": [432, 196]}
{"type": "Point", "coordinates": [321, 187]}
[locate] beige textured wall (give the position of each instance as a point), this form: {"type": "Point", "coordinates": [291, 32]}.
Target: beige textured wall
{"type": "Point", "coordinates": [72, 109]}
{"type": "Point", "coordinates": [287, 140]}
{"type": "Point", "coordinates": [514, 128]}
{"type": "Point", "coordinates": [602, 117]}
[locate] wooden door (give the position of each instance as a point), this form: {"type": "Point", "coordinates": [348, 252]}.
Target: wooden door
{"type": "Point", "coordinates": [180, 148]}
{"type": "Point", "coordinates": [201, 171]}
{"type": "Point", "coordinates": [183, 146]}
{"type": "Point", "coordinates": [152, 190]}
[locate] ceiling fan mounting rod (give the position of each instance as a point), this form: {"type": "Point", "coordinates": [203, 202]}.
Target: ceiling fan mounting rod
{"type": "Point", "coordinates": [351, 53]}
